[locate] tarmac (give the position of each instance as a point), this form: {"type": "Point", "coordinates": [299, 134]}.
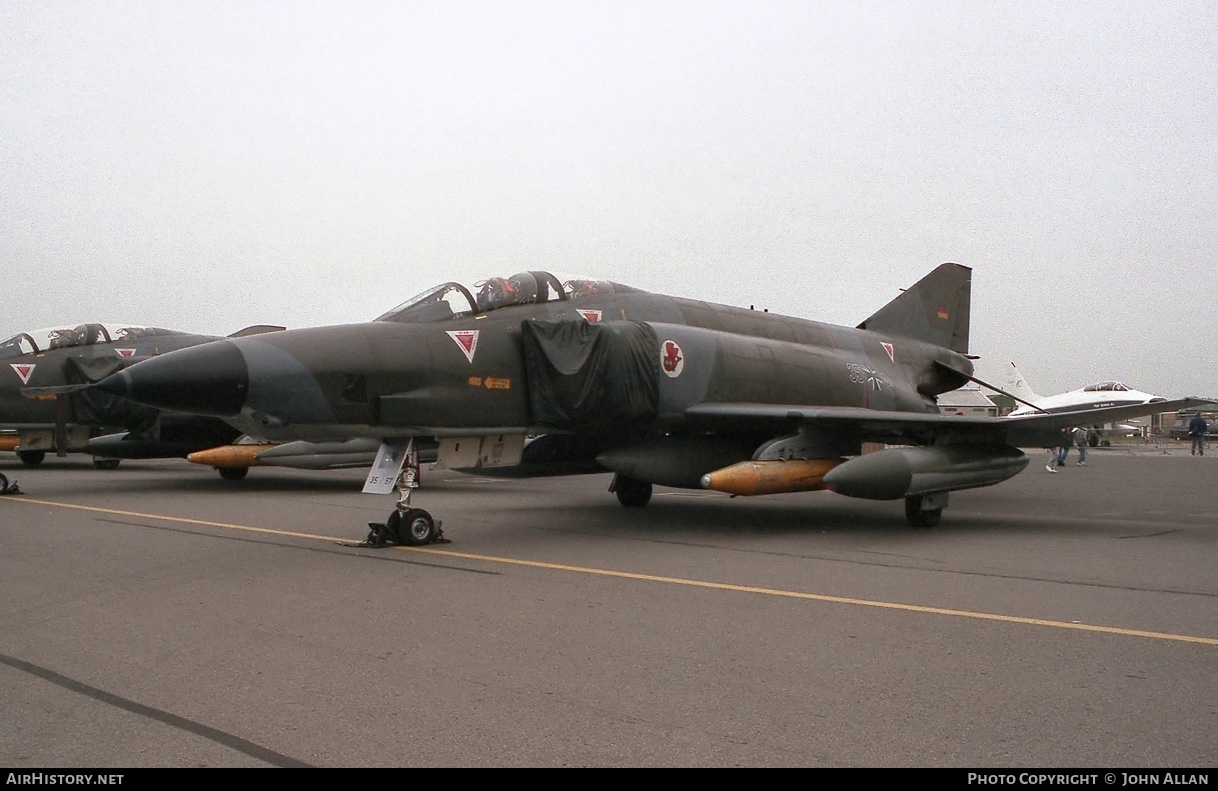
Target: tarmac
{"type": "Point", "coordinates": [158, 616]}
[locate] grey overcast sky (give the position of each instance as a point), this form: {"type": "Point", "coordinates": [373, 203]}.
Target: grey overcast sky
{"type": "Point", "coordinates": [209, 165]}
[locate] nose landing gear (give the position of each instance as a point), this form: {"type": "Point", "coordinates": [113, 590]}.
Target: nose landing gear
{"type": "Point", "coordinates": [406, 525]}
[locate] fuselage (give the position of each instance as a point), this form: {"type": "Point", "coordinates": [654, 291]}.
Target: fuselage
{"type": "Point", "coordinates": [469, 374]}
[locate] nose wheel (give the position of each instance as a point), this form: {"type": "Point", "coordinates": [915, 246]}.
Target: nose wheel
{"type": "Point", "coordinates": [413, 527]}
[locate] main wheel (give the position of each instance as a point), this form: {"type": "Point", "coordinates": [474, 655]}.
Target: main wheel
{"type": "Point", "coordinates": [106, 464]}
{"type": "Point", "coordinates": [631, 492]}
{"type": "Point", "coordinates": [919, 518]}
{"type": "Point", "coordinates": [414, 528]}
{"type": "Point", "coordinates": [31, 458]}
{"type": "Point", "coordinates": [3, 484]}
{"type": "Point", "coordinates": [233, 473]}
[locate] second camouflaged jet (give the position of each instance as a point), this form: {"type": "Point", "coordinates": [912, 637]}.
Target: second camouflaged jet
{"type": "Point", "coordinates": [90, 421]}
{"type": "Point", "coordinates": [540, 375]}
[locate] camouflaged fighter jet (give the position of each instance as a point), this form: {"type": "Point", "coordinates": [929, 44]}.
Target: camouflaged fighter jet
{"type": "Point", "coordinates": [540, 375]}
{"type": "Point", "coordinates": [91, 421]}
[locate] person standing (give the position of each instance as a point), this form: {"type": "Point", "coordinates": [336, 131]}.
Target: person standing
{"type": "Point", "coordinates": [1197, 429]}
{"type": "Point", "coordinates": [1070, 436]}
{"type": "Point", "coordinates": [1080, 442]}
{"type": "Point", "coordinates": [1057, 456]}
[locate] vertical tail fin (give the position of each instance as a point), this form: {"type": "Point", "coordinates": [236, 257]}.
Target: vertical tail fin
{"type": "Point", "coordinates": [935, 309]}
{"type": "Point", "coordinates": [1019, 386]}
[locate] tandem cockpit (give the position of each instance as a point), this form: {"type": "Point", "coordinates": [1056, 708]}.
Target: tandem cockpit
{"type": "Point", "coordinates": [453, 299]}
{"type": "Point", "coordinates": [1107, 387]}
{"type": "Point", "coordinates": [1112, 386]}
{"type": "Point", "coordinates": [38, 341]}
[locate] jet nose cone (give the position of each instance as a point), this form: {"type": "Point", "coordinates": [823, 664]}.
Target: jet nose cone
{"type": "Point", "coordinates": [210, 379]}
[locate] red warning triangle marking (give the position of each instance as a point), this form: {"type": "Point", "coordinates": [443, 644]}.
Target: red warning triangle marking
{"type": "Point", "coordinates": [466, 340]}
{"type": "Point", "coordinates": [24, 371]}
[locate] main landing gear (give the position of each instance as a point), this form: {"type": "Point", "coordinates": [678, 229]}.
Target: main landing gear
{"type": "Point", "coordinates": [631, 492]}
{"type": "Point", "coordinates": [925, 510]}
{"type": "Point", "coordinates": [407, 525]}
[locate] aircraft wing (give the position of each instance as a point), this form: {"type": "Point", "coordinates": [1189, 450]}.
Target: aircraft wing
{"type": "Point", "coordinates": [873, 425]}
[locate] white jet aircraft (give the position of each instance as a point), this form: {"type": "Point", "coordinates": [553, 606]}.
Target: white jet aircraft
{"type": "Point", "coordinates": [1093, 396]}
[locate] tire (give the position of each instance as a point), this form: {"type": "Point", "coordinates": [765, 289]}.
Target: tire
{"type": "Point", "coordinates": [630, 492]}
{"type": "Point", "coordinates": [233, 473]}
{"type": "Point", "coordinates": [31, 458]}
{"type": "Point", "coordinates": [919, 518]}
{"type": "Point", "coordinates": [415, 528]}
{"type": "Point", "coordinates": [106, 464]}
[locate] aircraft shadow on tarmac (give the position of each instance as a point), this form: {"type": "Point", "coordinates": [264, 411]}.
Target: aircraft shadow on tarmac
{"type": "Point", "coordinates": [681, 514]}
{"type": "Point", "coordinates": [721, 516]}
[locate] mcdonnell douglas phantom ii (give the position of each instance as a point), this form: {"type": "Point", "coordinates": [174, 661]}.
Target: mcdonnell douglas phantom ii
{"type": "Point", "coordinates": [92, 421]}
{"type": "Point", "coordinates": [540, 375]}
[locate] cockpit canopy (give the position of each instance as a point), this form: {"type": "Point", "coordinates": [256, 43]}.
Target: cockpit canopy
{"type": "Point", "coordinates": [1107, 387]}
{"type": "Point", "coordinates": [36, 341]}
{"type": "Point", "coordinates": [453, 299]}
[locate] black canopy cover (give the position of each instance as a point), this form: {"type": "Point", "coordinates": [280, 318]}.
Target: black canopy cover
{"type": "Point", "coordinates": [587, 375]}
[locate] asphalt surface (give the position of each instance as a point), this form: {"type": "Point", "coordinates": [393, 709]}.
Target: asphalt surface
{"type": "Point", "coordinates": [157, 616]}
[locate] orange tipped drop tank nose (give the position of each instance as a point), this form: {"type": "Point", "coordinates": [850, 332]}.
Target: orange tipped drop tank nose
{"type": "Point", "coordinates": [228, 456]}
{"type": "Point", "coordinates": [770, 477]}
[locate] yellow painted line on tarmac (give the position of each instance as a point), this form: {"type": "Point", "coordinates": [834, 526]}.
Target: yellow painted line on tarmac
{"type": "Point", "coordinates": [183, 520]}
{"type": "Point", "coordinates": [820, 597]}
{"type": "Point", "coordinates": [833, 599]}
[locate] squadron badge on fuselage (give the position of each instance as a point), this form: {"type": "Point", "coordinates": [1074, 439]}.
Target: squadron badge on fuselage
{"type": "Point", "coordinates": [672, 359]}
